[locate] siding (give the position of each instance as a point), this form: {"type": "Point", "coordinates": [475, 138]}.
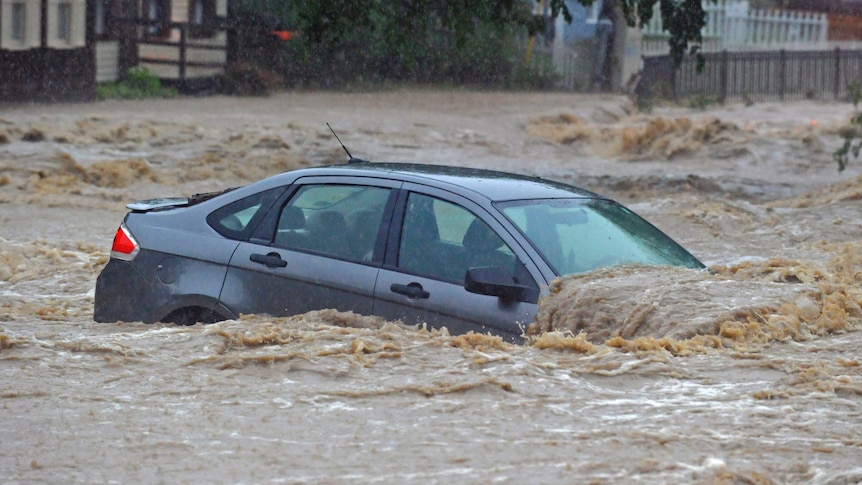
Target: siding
{"type": "Point", "coordinates": [107, 61]}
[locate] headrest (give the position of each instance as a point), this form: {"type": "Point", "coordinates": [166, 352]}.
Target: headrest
{"type": "Point", "coordinates": [480, 237]}
{"type": "Point", "coordinates": [326, 220]}
{"type": "Point", "coordinates": [291, 218]}
{"type": "Point", "coordinates": [362, 218]}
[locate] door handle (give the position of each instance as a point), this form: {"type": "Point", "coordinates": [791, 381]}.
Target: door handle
{"type": "Point", "coordinates": [271, 260]}
{"type": "Point", "coordinates": [413, 290]}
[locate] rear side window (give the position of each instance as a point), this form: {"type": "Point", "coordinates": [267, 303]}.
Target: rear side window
{"type": "Point", "coordinates": [333, 219]}
{"type": "Point", "coordinates": [237, 219]}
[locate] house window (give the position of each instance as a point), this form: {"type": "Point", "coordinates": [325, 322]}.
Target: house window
{"type": "Point", "coordinates": [100, 21]}
{"type": "Point", "coordinates": [197, 14]}
{"type": "Point", "coordinates": [19, 21]}
{"type": "Point", "coordinates": [20, 24]}
{"type": "Point", "coordinates": [66, 23]}
{"type": "Point", "coordinates": [105, 20]}
{"type": "Point", "coordinates": [157, 13]}
{"type": "Point", "coordinates": [202, 16]}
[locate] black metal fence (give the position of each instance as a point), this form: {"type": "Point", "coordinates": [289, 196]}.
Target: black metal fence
{"type": "Point", "coordinates": [754, 76]}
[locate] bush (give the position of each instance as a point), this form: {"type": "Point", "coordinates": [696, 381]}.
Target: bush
{"type": "Point", "coordinates": [852, 133]}
{"type": "Point", "coordinates": [138, 84]}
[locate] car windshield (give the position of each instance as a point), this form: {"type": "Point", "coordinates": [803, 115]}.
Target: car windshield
{"type": "Point", "coordinates": [578, 235]}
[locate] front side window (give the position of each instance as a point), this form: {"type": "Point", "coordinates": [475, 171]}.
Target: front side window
{"type": "Point", "coordinates": [333, 219]}
{"type": "Point", "coordinates": [442, 240]}
{"type": "Point", "coordinates": [578, 235]}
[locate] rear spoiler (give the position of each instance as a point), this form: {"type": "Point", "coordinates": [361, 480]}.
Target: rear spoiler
{"type": "Point", "coordinates": [151, 205]}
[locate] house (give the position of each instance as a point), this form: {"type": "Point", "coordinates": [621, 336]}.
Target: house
{"type": "Point", "coordinates": [183, 42]}
{"type": "Point", "coordinates": [58, 50]}
{"type": "Point", "coordinates": [46, 50]}
{"type": "Point", "coordinates": [845, 16]}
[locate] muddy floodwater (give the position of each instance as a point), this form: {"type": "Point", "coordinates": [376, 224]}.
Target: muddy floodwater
{"type": "Point", "coordinates": [745, 374]}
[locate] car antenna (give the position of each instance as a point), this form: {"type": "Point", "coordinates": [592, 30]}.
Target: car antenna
{"type": "Point", "coordinates": [350, 158]}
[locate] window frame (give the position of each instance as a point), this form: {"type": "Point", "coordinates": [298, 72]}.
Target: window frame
{"type": "Point", "coordinates": [525, 265]}
{"type": "Point", "coordinates": [104, 20]}
{"type": "Point", "coordinates": [265, 232]}
{"type": "Point", "coordinates": [73, 36]}
{"type": "Point", "coordinates": [271, 234]}
{"type": "Point", "coordinates": [158, 27]}
{"type": "Point", "coordinates": [206, 27]}
{"type": "Point", "coordinates": [265, 199]}
{"type": "Point", "coordinates": [30, 27]}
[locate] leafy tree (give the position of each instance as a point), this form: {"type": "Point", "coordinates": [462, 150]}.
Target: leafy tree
{"type": "Point", "coordinates": [330, 21]}
{"type": "Point", "coordinates": [458, 41]}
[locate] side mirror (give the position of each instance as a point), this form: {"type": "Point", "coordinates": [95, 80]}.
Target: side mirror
{"type": "Point", "coordinates": [496, 281]}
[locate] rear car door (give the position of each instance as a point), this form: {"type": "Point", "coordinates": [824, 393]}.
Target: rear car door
{"type": "Point", "coordinates": [435, 238]}
{"type": "Point", "coordinates": [320, 247]}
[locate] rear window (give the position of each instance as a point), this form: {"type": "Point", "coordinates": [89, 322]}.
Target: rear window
{"type": "Point", "coordinates": [238, 219]}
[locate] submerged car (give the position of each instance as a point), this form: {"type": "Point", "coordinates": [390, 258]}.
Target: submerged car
{"type": "Point", "coordinates": [463, 248]}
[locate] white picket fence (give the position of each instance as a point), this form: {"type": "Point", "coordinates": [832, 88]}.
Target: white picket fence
{"type": "Point", "coordinates": [732, 26]}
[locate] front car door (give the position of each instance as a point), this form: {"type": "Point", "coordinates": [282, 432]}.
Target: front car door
{"type": "Point", "coordinates": [321, 247]}
{"type": "Point", "coordinates": [435, 238]}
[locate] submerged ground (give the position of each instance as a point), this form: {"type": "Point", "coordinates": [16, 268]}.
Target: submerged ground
{"type": "Point", "coordinates": [749, 374]}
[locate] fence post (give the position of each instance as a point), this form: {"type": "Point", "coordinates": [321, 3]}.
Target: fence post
{"type": "Point", "coordinates": [183, 32]}
{"type": "Point", "coordinates": [837, 91]}
{"type": "Point", "coordinates": [782, 69]}
{"type": "Point", "coordinates": [722, 92]}
{"type": "Point", "coordinates": [674, 69]}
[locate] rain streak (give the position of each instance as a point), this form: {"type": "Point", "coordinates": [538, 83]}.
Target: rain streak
{"type": "Point", "coordinates": [746, 373]}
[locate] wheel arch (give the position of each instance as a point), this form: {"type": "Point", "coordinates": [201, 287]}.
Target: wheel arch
{"type": "Point", "coordinates": [191, 309]}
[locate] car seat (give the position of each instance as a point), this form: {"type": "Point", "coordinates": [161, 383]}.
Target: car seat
{"type": "Point", "coordinates": [327, 233]}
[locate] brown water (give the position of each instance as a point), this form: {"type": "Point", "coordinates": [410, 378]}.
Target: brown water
{"type": "Point", "coordinates": [748, 374]}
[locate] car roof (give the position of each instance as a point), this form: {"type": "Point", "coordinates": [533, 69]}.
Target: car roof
{"type": "Point", "coordinates": [494, 185]}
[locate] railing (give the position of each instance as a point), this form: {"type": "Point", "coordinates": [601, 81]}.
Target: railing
{"type": "Point", "coordinates": [755, 76]}
{"type": "Point", "coordinates": [732, 26]}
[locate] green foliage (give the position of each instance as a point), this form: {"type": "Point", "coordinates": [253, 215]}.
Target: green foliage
{"type": "Point", "coordinates": [432, 41]}
{"type": "Point", "coordinates": [353, 41]}
{"type": "Point", "coordinates": [852, 134]}
{"type": "Point", "coordinates": [138, 84]}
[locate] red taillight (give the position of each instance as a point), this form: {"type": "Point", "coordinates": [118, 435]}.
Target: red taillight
{"type": "Point", "coordinates": [125, 247]}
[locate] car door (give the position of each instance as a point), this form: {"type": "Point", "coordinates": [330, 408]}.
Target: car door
{"type": "Point", "coordinates": [319, 248]}
{"type": "Point", "coordinates": [436, 237]}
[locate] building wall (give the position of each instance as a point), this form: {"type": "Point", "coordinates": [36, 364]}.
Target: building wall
{"type": "Point", "coordinates": [41, 65]}
{"type": "Point", "coordinates": [845, 27]}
